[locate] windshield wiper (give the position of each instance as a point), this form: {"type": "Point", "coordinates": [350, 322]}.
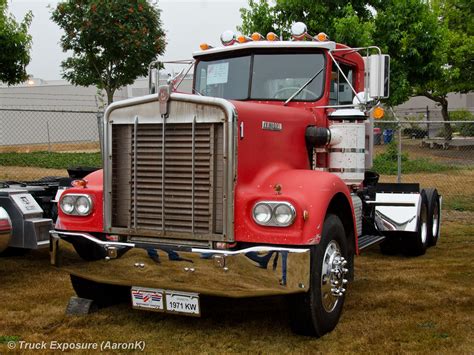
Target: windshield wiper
{"type": "Point", "coordinates": [302, 88]}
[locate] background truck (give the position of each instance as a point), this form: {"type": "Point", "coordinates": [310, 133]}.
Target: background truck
{"type": "Point", "coordinates": [257, 184]}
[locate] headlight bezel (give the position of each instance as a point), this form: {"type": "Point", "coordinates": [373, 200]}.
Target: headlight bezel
{"type": "Point", "coordinates": [75, 211]}
{"type": "Point", "coordinates": [272, 221]}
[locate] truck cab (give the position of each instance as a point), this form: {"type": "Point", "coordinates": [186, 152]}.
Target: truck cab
{"type": "Point", "coordinates": [256, 184]}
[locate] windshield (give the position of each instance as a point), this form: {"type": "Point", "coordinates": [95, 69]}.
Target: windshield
{"type": "Point", "coordinates": [266, 76]}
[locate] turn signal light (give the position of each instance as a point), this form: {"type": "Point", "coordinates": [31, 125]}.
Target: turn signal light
{"type": "Point", "coordinates": [243, 39]}
{"type": "Point", "coordinates": [378, 113]}
{"type": "Point", "coordinates": [272, 36]}
{"type": "Point", "coordinates": [79, 183]}
{"type": "Point", "coordinates": [205, 46]}
{"type": "Point", "coordinates": [322, 37]}
{"type": "Point", "coordinates": [256, 36]}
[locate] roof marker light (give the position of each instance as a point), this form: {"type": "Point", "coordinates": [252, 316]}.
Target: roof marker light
{"type": "Point", "coordinates": [243, 39]}
{"type": "Point", "coordinates": [256, 36]}
{"type": "Point", "coordinates": [322, 37]}
{"type": "Point", "coordinates": [228, 38]}
{"type": "Point", "coordinates": [205, 46]}
{"type": "Point", "coordinates": [272, 36]}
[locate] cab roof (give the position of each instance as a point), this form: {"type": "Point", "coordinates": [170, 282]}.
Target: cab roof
{"type": "Point", "coordinates": [266, 44]}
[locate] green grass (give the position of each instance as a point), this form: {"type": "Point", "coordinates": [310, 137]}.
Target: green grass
{"type": "Point", "coordinates": [50, 160]}
{"type": "Point", "coordinates": [388, 166]}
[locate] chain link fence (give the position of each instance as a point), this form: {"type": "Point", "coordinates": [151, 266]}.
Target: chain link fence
{"type": "Point", "coordinates": [37, 143]}
{"type": "Point", "coordinates": [433, 153]}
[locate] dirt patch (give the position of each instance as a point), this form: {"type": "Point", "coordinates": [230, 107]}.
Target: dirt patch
{"type": "Point", "coordinates": [20, 173]}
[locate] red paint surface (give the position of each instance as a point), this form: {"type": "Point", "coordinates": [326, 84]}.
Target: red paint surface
{"type": "Point", "coordinates": [265, 159]}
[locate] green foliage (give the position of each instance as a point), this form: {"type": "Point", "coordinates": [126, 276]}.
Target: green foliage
{"type": "Point", "coordinates": [51, 160]}
{"type": "Point", "coordinates": [347, 22]}
{"type": "Point", "coordinates": [387, 163]}
{"type": "Point", "coordinates": [464, 129]}
{"type": "Point", "coordinates": [15, 45]}
{"type": "Point", "coordinates": [112, 42]}
{"type": "Point", "coordinates": [411, 34]}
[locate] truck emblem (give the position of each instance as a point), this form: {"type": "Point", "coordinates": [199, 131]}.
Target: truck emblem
{"type": "Point", "coordinates": [163, 97]}
{"type": "Point", "coordinates": [272, 126]}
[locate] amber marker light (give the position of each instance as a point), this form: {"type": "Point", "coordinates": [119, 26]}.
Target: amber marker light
{"type": "Point", "coordinates": [205, 46]}
{"type": "Point", "coordinates": [243, 39]}
{"type": "Point", "coordinates": [378, 113]}
{"type": "Point", "coordinates": [79, 183]}
{"type": "Point", "coordinates": [322, 37]}
{"type": "Point", "coordinates": [256, 36]}
{"type": "Point", "coordinates": [272, 36]}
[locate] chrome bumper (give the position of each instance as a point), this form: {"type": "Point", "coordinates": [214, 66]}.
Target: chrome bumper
{"type": "Point", "coordinates": [255, 271]}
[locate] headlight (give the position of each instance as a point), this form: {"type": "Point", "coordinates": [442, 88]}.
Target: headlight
{"type": "Point", "coordinates": [76, 205]}
{"type": "Point", "coordinates": [262, 213]}
{"type": "Point", "coordinates": [83, 205]}
{"type": "Point", "coordinates": [68, 204]}
{"type": "Point", "coordinates": [283, 214]}
{"type": "Point", "coordinates": [274, 213]}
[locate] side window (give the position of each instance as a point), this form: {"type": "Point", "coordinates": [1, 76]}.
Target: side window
{"type": "Point", "coordinates": [341, 93]}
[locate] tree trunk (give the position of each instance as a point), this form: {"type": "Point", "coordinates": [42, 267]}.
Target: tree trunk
{"type": "Point", "coordinates": [448, 130]}
{"type": "Point", "coordinates": [110, 95]}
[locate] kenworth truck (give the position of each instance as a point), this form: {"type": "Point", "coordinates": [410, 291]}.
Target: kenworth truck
{"type": "Point", "coordinates": [258, 183]}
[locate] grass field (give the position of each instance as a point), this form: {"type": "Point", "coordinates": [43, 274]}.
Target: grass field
{"type": "Point", "coordinates": [395, 305]}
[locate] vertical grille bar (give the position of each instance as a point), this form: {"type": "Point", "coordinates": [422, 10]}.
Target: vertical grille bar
{"type": "Point", "coordinates": [135, 152]}
{"type": "Point", "coordinates": [193, 163]}
{"type": "Point", "coordinates": [163, 149]}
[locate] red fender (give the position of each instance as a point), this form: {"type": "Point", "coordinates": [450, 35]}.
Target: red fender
{"type": "Point", "coordinates": [307, 190]}
{"type": "Point", "coordinates": [94, 222]}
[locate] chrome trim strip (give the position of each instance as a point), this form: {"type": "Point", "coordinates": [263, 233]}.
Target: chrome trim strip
{"type": "Point", "coordinates": [59, 234]}
{"type": "Point", "coordinates": [135, 153]}
{"type": "Point", "coordinates": [163, 176]}
{"type": "Point", "coordinates": [193, 163]}
{"type": "Point", "coordinates": [347, 150]}
{"type": "Point", "coordinates": [345, 170]}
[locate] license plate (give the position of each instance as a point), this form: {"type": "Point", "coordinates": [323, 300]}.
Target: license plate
{"type": "Point", "coordinates": [181, 302]}
{"type": "Point", "coordinates": [166, 301]}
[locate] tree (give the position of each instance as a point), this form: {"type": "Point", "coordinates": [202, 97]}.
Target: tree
{"type": "Point", "coordinates": [15, 44]}
{"type": "Point", "coordinates": [456, 54]}
{"type": "Point", "coordinates": [112, 41]}
{"type": "Point", "coordinates": [347, 22]}
{"type": "Point", "coordinates": [410, 32]}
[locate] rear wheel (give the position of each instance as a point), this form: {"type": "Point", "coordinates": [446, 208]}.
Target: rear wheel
{"type": "Point", "coordinates": [415, 244]}
{"type": "Point", "coordinates": [317, 312]}
{"type": "Point", "coordinates": [102, 294]}
{"type": "Point", "coordinates": [434, 214]}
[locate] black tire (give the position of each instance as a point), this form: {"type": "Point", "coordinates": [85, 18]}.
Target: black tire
{"type": "Point", "coordinates": [415, 244]}
{"type": "Point", "coordinates": [102, 294]}
{"type": "Point", "coordinates": [308, 314]}
{"type": "Point", "coordinates": [434, 214]}
{"type": "Point", "coordinates": [391, 246]}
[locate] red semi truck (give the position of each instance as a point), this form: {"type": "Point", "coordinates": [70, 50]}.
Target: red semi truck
{"type": "Point", "coordinates": [258, 183]}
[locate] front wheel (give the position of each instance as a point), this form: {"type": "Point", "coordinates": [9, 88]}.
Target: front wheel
{"type": "Point", "coordinates": [317, 312]}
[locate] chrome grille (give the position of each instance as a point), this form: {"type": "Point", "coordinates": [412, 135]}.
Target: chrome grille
{"type": "Point", "coordinates": [191, 193]}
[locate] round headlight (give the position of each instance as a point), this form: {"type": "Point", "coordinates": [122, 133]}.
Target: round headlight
{"type": "Point", "coordinates": [83, 205]}
{"type": "Point", "coordinates": [68, 204]}
{"type": "Point", "coordinates": [284, 214]}
{"type": "Point", "coordinates": [262, 213]}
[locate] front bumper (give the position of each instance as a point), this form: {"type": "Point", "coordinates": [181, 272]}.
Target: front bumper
{"type": "Point", "coordinates": [256, 271]}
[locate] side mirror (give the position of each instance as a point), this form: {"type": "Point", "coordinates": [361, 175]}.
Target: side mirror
{"type": "Point", "coordinates": [378, 72]}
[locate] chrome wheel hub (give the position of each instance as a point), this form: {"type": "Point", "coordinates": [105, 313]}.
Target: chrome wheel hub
{"type": "Point", "coordinates": [435, 221]}
{"type": "Point", "coordinates": [333, 276]}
